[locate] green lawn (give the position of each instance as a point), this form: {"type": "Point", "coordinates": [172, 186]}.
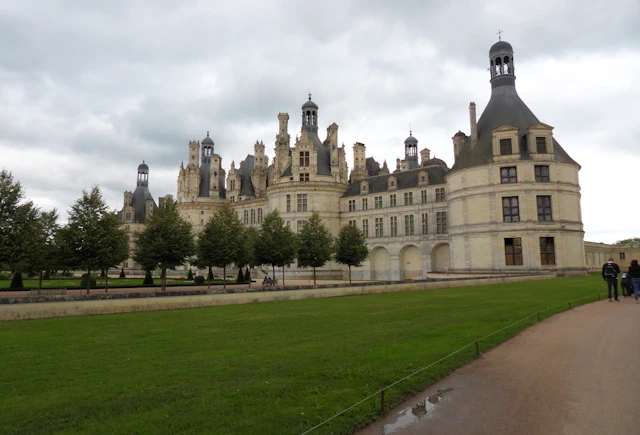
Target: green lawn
{"type": "Point", "coordinates": [270, 368]}
{"type": "Point", "coordinates": [74, 283]}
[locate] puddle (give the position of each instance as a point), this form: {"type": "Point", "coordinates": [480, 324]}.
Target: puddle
{"type": "Point", "coordinates": [408, 416]}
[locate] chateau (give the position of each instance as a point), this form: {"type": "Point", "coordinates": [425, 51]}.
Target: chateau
{"type": "Point", "coordinates": [509, 203]}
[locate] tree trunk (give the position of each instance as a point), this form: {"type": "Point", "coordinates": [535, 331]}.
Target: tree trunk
{"type": "Point", "coordinates": [349, 274]}
{"type": "Point", "coordinates": [106, 280]}
{"type": "Point", "coordinates": [88, 279]}
{"type": "Point", "coordinates": [224, 277]}
{"type": "Point", "coordinates": [314, 276]}
{"type": "Point", "coordinates": [163, 279]}
{"type": "Point", "coordinates": [208, 280]}
{"type": "Point", "coordinates": [40, 282]}
{"type": "Point", "coordinates": [273, 267]}
{"type": "Point", "coordinates": [282, 276]}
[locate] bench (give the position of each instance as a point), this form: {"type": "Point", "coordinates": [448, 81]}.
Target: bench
{"type": "Point", "coordinates": [270, 283]}
{"type": "Point", "coordinates": [48, 292]}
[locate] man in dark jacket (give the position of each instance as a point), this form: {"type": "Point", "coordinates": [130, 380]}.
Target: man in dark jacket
{"type": "Point", "coordinates": [610, 272]}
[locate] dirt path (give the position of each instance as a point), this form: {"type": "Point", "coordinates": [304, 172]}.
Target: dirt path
{"type": "Point", "coordinates": [575, 373]}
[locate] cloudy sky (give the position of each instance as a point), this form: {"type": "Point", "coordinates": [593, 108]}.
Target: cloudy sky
{"type": "Point", "coordinates": [89, 91]}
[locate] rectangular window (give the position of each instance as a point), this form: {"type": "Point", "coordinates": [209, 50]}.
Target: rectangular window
{"type": "Point", "coordinates": [505, 147]}
{"type": "Point", "coordinates": [379, 227]}
{"type": "Point", "coordinates": [352, 223]}
{"type": "Point", "coordinates": [508, 175]}
{"type": "Point", "coordinates": [513, 251]}
{"type": "Point", "coordinates": [542, 174]}
{"type": "Point", "coordinates": [408, 198]}
{"type": "Point", "coordinates": [409, 227]}
{"type": "Point", "coordinates": [304, 158]}
{"type": "Point", "coordinates": [547, 251]}
{"type": "Point", "coordinates": [440, 194]}
{"type": "Point", "coordinates": [423, 196]}
{"type": "Point", "coordinates": [128, 216]}
{"type": "Point", "coordinates": [301, 225]}
{"type": "Point", "coordinates": [392, 200]}
{"type": "Point", "coordinates": [259, 215]}
{"type": "Point", "coordinates": [378, 202]}
{"type": "Point", "coordinates": [288, 203]}
{"type": "Point", "coordinates": [352, 205]}
{"type": "Point", "coordinates": [245, 216]}
{"type": "Point", "coordinates": [623, 256]}
{"type": "Point", "coordinates": [510, 209]}
{"type": "Point", "coordinates": [304, 176]}
{"type": "Point", "coordinates": [544, 208]}
{"type": "Point", "coordinates": [541, 144]}
{"type": "Point", "coordinates": [425, 223]}
{"type": "Point", "coordinates": [365, 203]}
{"type": "Point", "coordinates": [253, 216]}
{"type": "Point", "coordinates": [394, 226]}
{"type": "Point", "coordinates": [302, 202]}
{"type": "Point", "coordinates": [441, 222]}
{"type": "Point", "coordinates": [365, 227]}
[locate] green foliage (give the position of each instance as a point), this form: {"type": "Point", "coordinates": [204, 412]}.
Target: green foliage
{"type": "Point", "coordinates": [315, 244]}
{"type": "Point", "coordinates": [292, 352]}
{"type": "Point", "coordinates": [88, 282]}
{"type": "Point", "coordinates": [276, 243]}
{"type": "Point", "coordinates": [351, 247]}
{"type": "Point", "coordinates": [221, 239]}
{"type": "Point", "coordinates": [199, 279]}
{"type": "Point", "coordinates": [4, 277]}
{"type": "Point", "coordinates": [47, 274]}
{"type": "Point", "coordinates": [148, 279]}
{"type": "Point", "coordinates": [247, 252]}
{"type": "Point", "coordinates": [240, 278]}
{"type": "Point", "coordinates": [190, 275]}
{"type": "Point", "coordinates": [16, 281]}
{"type": "Point", "coordinates": [633, 242]}
{"type": "Point", "coordinates": [166, 242]}
{"type": "Point", "coordinates": [122, 275]}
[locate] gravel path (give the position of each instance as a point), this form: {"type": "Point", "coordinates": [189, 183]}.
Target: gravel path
{"type": "Point", "coordinates": [574, 373]}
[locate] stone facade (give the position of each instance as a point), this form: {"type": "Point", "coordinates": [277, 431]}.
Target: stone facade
{"type": "Point", "coordinates": [598, 253]}
{"type": "Point", "coordinates": [509, 204]}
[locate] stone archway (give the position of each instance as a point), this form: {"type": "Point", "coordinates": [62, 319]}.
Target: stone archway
{"type": "Point", "coordinates": [380, 264]}
{"type": "Point", "coordinates": [410, 262]}
{"type": "Point", "coordinates": [440, 258]}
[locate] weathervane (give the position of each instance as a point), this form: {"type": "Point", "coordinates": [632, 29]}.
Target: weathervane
{"type": "Point", "coordinates": [499, 34]}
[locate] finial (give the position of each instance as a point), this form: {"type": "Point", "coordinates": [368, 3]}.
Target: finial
{"type": "Point", "coordinates": [410, 131]}
{"type": "Point", "coordinates": [207, 133]}
{"type": "Point", "coordinates": [143, 161]}
{"type": "Point", "coordinates": [499, 35]}
{"type": "Point", "coordinates": [309, 95]}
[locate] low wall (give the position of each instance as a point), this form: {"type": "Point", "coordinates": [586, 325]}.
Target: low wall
{"type": "Point", "coordinates": [65, 308]}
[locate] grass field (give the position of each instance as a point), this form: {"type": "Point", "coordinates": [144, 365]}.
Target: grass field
{"type": "Point", "coordinates": [74, 283]}
{"type": "Point", "coordinates": [270, 368]}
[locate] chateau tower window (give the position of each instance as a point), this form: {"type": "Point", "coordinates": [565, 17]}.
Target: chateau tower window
{"type": "Point", "coordinates": [440, 194]}
{"type": "Point", "coordinates": [304, 176]}
{"type": "Point", "coordinates": [365, 203]}
{"type": "Point", "coordinates": [423, 196]}
{"type": "Point", "coordinates": [378, 202]}
{"type": "Point", "coordinates": [392, 200]}
{"type": "Point", "coordinates": [302, 202]}
{"type": "Point", "coordinates": [510, 209]}
{"type": "Point", "coordinates": [441, 222]}
{"type": "Point", "coordinates": [508, 175]}
{"type": "Point", "coordinates": [547, 251]}
{"type": "Point", "coordinates": [352, 223]}
{"type": "Point", "coordinates": [513, 251]}
{"type": "Point", "coordinates": [288, 203]}
{"type": "Point", "coordinates": [409, 227]}
{"type": "Point", "coordinates": [259, 215]}
{"type": "Point", "coordinates": [542, 173]}
{"type": "Point", "coordinates": [425, 224]}
{"type": "Point", "coordinates": [544, 208]}
{"type": "Point", "coordinates": [394, 226]}
{"type": "Point", "coordinates": [365, 227]}
{"type": "Point", "coordinates": [253, 216]}
{"type": "Point", "coordinates": [408, 198]}
{"type": "Point", "coordinates": [379, 227]}
{"type": "Point", "coordinates": [505, 147]}
{"type": "Point", "coordinates": [245, 219]}
{"type": "Point", "coordinates": [541, 144]}
{"type": "Point", "coordinates": [352, 205]}
{"type": "Point", "coordinates": [304, 158]}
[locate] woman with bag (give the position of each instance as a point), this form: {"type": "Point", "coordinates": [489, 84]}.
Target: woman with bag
{"type": "Point", "coordinates": [634, 274]}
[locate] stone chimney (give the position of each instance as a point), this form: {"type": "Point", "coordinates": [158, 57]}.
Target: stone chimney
{"type": "Point", "coordinates": [425, 155]}
{"type": "Point", "coordinates": [474, 123]}
{"type": "Point", "coordinates": [458, 142]}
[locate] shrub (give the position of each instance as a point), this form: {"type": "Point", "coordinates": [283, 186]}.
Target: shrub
{"type": "Point", "coordinates": [247, 276]}
{"type": "Point", "coordinates": [240, 278]}
{"type": "Point", "coordinates": [16, 281]}
{"type": "Point", "coordinates": [66, 273]}
{"type": "Point", "coordinates": [84, 275]}
{"type": "Point", "coordinates": [92, 284]}
{"type": "Point", "coordinates": [210, 275]}
{"type": "Point", "coordinates": [4, 277]}
{"type": "Point", "coordinates": [199, 279]}
{"type": "Point", "coordinates": [190, 276]}
{"type": "Point", "coordinates": [148, 279]}
{"type": "Point", "coordinates": [122, 275]}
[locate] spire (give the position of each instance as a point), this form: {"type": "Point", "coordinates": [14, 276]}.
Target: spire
{"type": "Point", "coordinates": [310, 116]}
{"type": "Point", "coordinates": [501, 66]}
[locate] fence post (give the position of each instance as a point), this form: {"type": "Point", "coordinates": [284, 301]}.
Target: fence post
{"type": "Point", "coordinates": [477, 349]}
{"type": "Point", "coordinates": [382, 401]}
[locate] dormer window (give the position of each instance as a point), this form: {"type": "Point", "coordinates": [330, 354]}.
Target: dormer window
{"type": "Point", "coordinates": [506, 147]}
{"type": "Point", "coordinates": [393, 182]}
{"type": "Point", "coordinates": [423, 178]}
{"type": "Point", "coordinates": [541, 145]}
{"type": "Point", "coordinates": [364, 187]}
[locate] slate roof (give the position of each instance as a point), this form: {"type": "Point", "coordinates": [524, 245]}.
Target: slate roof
{"type": "Point", "coordinates": [205, 178]}
{"type": "Point", "coordinates": [504, 108]}
{"type": "Point", "coordinates": [324, 156]}
{"type": "Point", "coordinates": [373, 167]}
{"type": "Point", "coordinates": [246, 166]}
{"type": "Point", "coordinates": [406, 180]}
{"type": "Point", "coordinates": [138, 202]}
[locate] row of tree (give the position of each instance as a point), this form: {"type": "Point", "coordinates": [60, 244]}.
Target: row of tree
{"type": "Point", "coordinates": [31, 240]}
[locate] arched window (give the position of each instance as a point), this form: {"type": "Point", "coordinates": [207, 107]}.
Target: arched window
{"type": "Point", "coordinates": [245, 219]}
{"type": "Point", "coordinates": [259, 215]}
{"type": "Point", "coordinates": [253, 216]}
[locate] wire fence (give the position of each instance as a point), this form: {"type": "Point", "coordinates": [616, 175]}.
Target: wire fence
{"type": "Point", "coordinates": [476, 343]}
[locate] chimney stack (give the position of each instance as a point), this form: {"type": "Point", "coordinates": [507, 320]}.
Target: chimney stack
{"type": "Point", "coordinates": [474, 123]}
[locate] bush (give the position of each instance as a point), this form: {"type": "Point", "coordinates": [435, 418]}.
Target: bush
{"type": "Point", "coordinates": [4, 277]}
{"type": "Point", "coordinates": [190, 276]}
{"type": "Point", "coordinates": [92, 284]}
{"type": "Point", "coordinates": [84, 275]}
{"type": "Point", "coordinates": [247, 276]}
{"type": "Point", "coordinates": [16, 281]}
{"type": "Point", "coordinates": [66, 273]}
{"type": "Point", "coordinates": [240, 278]}
{"type": "Point", "coordinates": [210, 275]}
{"type": "Point", "coordinates": [122, 275]}
{"type": "Point", "coordinates": [148, 279]}
{"type": "Point", "coordinates": [199, 279]}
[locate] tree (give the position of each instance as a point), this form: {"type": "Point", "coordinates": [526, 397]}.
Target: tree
{"type": "Point", "coordinates": [247, 252]}
{"type": "Point", "coordinates": [633, 242]}
{"type": "Point", "coordinates": [18, 226]}
{"type": "Point", "coordinates": [190, 275]}
{"type": "Point", "coordinates": [220, 240]}
{"type": "Point", "coordinates": [240, 278]}
{"type": "Point", "coordinates": [44, 254]}
{"type": "Point", "coordinates": [116, 245]}
{"type": "Point", "coordinates": [86, 239]}
{"type": "Point", "coordinates": [351, 247]}
{"type": "Point", "coordinates": [315, 244]}
{"type": "Point", "coordinates": [166, 242]}
{"type": "Point", "coordinates": [122, 275]}
{"type": "Point", "coordinates": [276, 244]}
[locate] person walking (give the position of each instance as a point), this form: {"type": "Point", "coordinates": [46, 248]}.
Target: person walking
{"type": "Point", "coordinates": [634, 274]}
{"type": "Point", "coordinates": [610, 271]}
